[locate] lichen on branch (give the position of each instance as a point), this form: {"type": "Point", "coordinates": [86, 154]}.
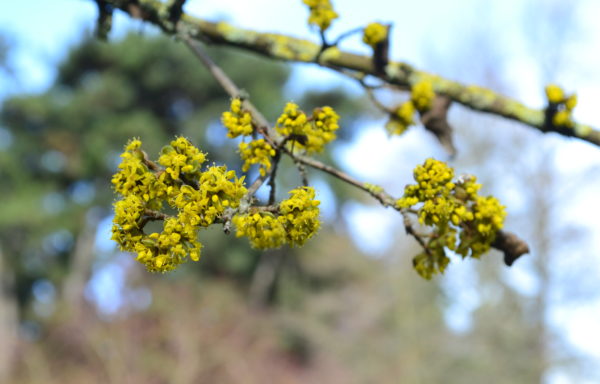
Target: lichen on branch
{"type": "Point", "coordinates": [287, 48]}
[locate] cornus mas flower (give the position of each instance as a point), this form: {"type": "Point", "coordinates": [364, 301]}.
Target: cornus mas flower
{"type": "Point", "coordinates": [292, 121]}
{"type": "Point", "coordinates": [256, 152]}
{"type": "Point", "coordinates": [322, 129]}
{"type": "Point", "coordinates": [134, 177]}
{"type": "Point", "coordinates": [308, 133]}
{"type": "Point", "coordinates": [263, 229]}
{"type": "Point", "coordinates": [295, 221]}
{"type": "Point", "coordinates": [561, 106]}
{"type": "Point", "coordinates": [181, 157]}
{"type": "Point", "coordinates": [237, 120]}
{"type": "Point", "coordinates": [374, 33]}
{"type": "Point", "coordinates": [321, 13]}
{"type": "Point", "coordinates": [162, 252]}
{"type": "Point", "coordinates": [300, 215]}
{"type": "Point", "coordinates": [463, 222]}
{"type": "Point", "coordinates": [401, 119]}
{"type": "Point", "coordinates": [220, 189]}
{"type": "Point", "coordinates": [554, 93]}
{"type": "Point", "coordinates": [422, 95]}
{"type": "Point", "coordinates": [198, 197]}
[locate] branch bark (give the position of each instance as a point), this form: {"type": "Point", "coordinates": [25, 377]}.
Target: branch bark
{"type": "Point", "coordinates": [287, 48]}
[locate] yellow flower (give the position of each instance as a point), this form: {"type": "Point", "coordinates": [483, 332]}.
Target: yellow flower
{"type": "Point", "coordinates": [310, 134]}
{"type": "Point", "coordinates": [571, 102]}
{"type": "Point", "coordinates": [181, 157]}
{"type": "Point", "coordinates": [134, 177]}
{"type": "Point", "coordinates": [554, 93]}
{"type": "Point", "coordinates": [321, 13]}
{"type": "Point", "coordinates": [455, 211]}
{"type": "Point", "coordinates": [237, 120]}
{"type": "Point", "coordinates": [428, 265]}
{"type": "Point", "coordinates": [199, 199]}
{"type": "Point", "coordinates": [262, 229]}
{"type": "Point", "coordinates": [422, 95]}
{"type": "Point", "coordinates": [321, 131]}
{"type": "Point", "coordinates": [163, 252]}
{"type": "Point", "coordinates": [256, 152]}
{"type": "Point", "coordinates": [292, 121]}
{"type": "Point", "coordinates": [374, 33]}
{"type": "Point", "coordinates": [562, 118]}
{"type": "Point", "coordinates": [401, 119]}
{"type": "Point", "coordinates": [300, 215]}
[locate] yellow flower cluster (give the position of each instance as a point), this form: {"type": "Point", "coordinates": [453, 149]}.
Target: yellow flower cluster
{"type": "Point", "coordinates": [489, 219]}
{"type": "Point", "coordinates": [563, 105]}
{"type": "Point", "coordinates": [292, 121]}
{"type": "Point", "coordinates": [296, 222]}
{"type": "Point", "coordinates": [310, 133]}
{"type": "Point", "coordinates": [421, 99]}
{"type": "Point", "coordinates": [198, 197]}
{"type": "Point", "coordinates": [162, 252]}
{"type": "Point", "coordinates": [133, 177]}
{"type": "Point", "coordinates": [321, 13]}
{"type": "Point", "coordinates": [263, 229]}
{"type": "Point", "coordinates": [401, 119]}
{"type": "Point", "coordinates": [374, 33]}
{"type": "Point", "coordinates": [427, 265]}
{"type": "Point", "coordinates": [256, 152]}
{"type": "Point", "coordinates": [322, 129]}
{"type": "Point", "coordinates": [434, 180]}
{"type": "Point", "coordinates": [237, 120]}
{"type": "Point", "coordinates": [129, 211]}
{"type": "Point", "coordinates": [181, 157]}
{"type": "Point", "coordinates": [219, 189]}
{"type": "Point", "coordinates": [300, 215]}
{"type": "Point", "coordinates": [455, 210]}
{"type": "Point", "coordinates": [422, 95]}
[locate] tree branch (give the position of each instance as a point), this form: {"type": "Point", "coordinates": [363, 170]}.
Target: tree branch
{"type": "Point", "coordinates": [512, 249]}
{"type": "Point", "coordinates": [287, 48]}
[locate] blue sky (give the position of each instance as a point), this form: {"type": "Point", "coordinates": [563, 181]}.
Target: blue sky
{"type": "Point", "coordinates": [42, 31]}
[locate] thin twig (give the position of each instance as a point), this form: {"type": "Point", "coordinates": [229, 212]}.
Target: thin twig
{"type": "Point", "coordinates": [150, 215]}
{"type": "Point", "coordinates": [264, 208]}
{"type": "Point", "coordinates": [325, 45]}
{"type": "Point", "coordinates": [376, 102]}
{"type": "Point", "coordinates": [302, 170]}
{"type": "Point", "coordinates": [346, 35]}
{"type": "Point", "coordinates": [369, 89]}
{"type": "Point", "coordinates": [272, 176]}
{"type": "Point", "coordinates": [255, 186]}
{"type": "Point", "coordinates": [149, 163]}
{"type": "Point", "coordinates": [226, 83]}
{"type": "Point", "coordinates": [408, 227]}
{"type": "Point", "coordinates": [155, 215]}
{"type": "Point", "coordinates": [259, 120]}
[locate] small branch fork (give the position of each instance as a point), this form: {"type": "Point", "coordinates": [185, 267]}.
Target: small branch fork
{"type": "Point", "coordinates": [512, 249]}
